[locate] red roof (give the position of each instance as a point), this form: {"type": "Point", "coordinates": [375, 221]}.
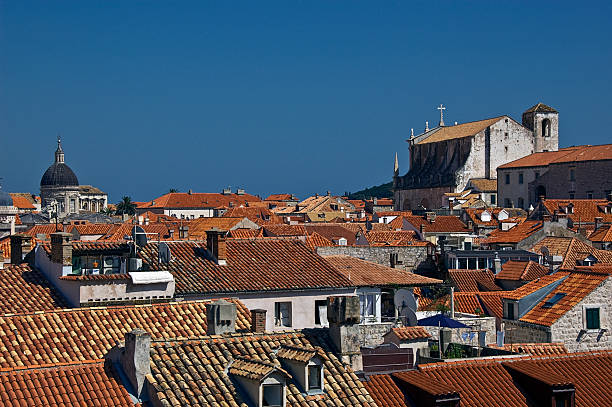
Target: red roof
{"type": "Point", "coordinates": [514, 235]}
{"type": "Point", "coordinates": [410, 333]}
{"type": "Point", "coordinates": [199, 200]}
{"type": "Point", "coordinates": [583, 210]}
{"type": "Point", "coordinates": [441, 224]}
{"type": "Point", "coordinates": [563, 155]}
{"type": "Point", "coordinates": [473, 280]}
{"type": "Point", "coordinates": [521, 271]}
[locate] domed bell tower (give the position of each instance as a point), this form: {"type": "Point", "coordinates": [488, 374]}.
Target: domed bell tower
{"type": "Point", "coordinates": [543, 121]}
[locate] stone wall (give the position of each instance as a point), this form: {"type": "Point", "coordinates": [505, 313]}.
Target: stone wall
{"type": "Point", "coordinates": [486, 324]}
{"type": "Point", "coordinates": [523, 332]}
{"type": "Point", "coordinates": [589, 176]}
{"type": "Point", "coordinates": [371, 335]}
{"type": "Point", "coordinates": [414, 257]}
{"type": "Point", "coordinates": [568, 328]}
{"type": "Point", "coordinates": [409, 199]}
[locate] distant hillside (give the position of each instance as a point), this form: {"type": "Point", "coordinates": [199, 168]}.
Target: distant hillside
{"type": "Point", "coordinates": [379, 191]}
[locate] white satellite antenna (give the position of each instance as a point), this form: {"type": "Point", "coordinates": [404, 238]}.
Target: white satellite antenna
{"type": "Point", "coordinates": [139, 236]}
{"type": "Point", "coordinates": [404, 298]}
{"type": "Point", "coordinates": [408, 317]}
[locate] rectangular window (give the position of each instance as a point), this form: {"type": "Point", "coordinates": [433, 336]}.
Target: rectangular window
{"type": "Point", "coordinates": [520, 178]}
{"type": "Point", "coordinates": [367, 303]}
{"type": "Point", "coordinates": [72, 205]}
{"type": "Point", "coordinates": [467, 245]}
{"type": "Point", "coordinates": [493, 199]}
{"type": "Point", "coordinates": [592, 318]}
{"type": "Point", "coordinates": [282, 314]}
{"type": "Point", "coordinates": [510, 311]}
{"type": "Point", "coordinates": [272, 395]}
{"type": "Point", "coordinates": [507, 179]}
{"type": "Point", "coordinates": [507, 203]}
{"type": "Point", "coordinates": [572, 175]}
{"type": "Point", "coordinates": [321, 312]}
{"type": "Point", "coordinates": [537, 174]}
{"type": "Point", "coordinates": [572, 195]}
{"type": "Point", "coordinates": [314, 377]}
{"type": "Point", "coordinates": [589, 194]}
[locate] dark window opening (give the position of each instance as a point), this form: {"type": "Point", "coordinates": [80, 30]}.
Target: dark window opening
{"type": "Point", "coordinates": [314, 377]}
{"type": "Point", "coordinates": [592, 318]}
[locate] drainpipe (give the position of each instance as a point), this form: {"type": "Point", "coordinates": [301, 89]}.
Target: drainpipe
{"type": "Point", "coordinates": [452, 302]}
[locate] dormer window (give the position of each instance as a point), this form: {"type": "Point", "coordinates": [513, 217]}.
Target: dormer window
{"type": "Point", "coordinates": [305, 365]}
{"type": "Point", "coordinates": [272, 395]}
{"type": "Point", "coordinates": [265, 383]}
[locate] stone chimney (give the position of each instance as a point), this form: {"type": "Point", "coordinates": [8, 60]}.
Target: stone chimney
{"type": "Point", "coordinates": [497, 266]}
{"type": "Point", "coordinates": [216, 245]}
{"type": "Point", "coordinates": [598, 222]}
{"type": "Point", "coordinates": [61, 248]}
{"type": "Point", "coordinates": [343, 316]}
{"type": "Point", "coordinates": [258, 320]}
{"type": "Point", "coordinates": [135, 359]}
{"type": "Point", "coordinates": [20, 246]}
{"type": "Point", "coordinates": [220, 317]}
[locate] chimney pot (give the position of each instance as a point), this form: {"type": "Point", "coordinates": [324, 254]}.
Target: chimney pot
{"type": "Point", "coordinates": [598, 222]}
{"type": "Point", "coordinates": [20, 247]}
{"type": "Point", "coordinates": [61, 248]}
{"type": "Point", "coordinates": [135, 359]}
{"type": "Point", "coordinates": [258, 320]}
{"type": "Point", "coordinates": [217, 246]}
{"type": "Point", "coordinates": [344, 317]}
{"type": "Point", "coordinates": [220, 317]}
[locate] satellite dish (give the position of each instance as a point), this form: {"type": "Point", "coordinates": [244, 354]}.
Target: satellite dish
{"type": "Point", "coordinates": [164, 253]}
{"type": "Point", "coordinates": [408, 317]}
{"type": "Point", "coordinates": [139, 236]}
{"type": "Point", "coordinates": [404, 298]}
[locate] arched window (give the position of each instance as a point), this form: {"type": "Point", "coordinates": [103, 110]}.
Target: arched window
{"type": "Point", "coordinates": [545, 128]}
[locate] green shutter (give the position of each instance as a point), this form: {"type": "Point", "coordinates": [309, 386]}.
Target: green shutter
{"type": "Point", "coordinates": [592, 317]}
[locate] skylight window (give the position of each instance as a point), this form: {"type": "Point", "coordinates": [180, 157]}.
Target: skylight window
{"type": "Point", "coordinates": [553, 300]}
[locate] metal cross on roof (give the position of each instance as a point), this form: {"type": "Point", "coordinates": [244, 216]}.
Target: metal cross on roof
{"type": "Point", "coordinates": [441, 108]}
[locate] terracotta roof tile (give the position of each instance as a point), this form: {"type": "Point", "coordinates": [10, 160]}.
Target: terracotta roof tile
{"type": "Point", "coordinates": [515, 234]}
{"type": "Point", "coordinates": [252, 265]}
{"type": "Point", "coordinates": [572, 250]}
{"type": "Point", "coordinates": [198, 200]}
{"type": "Point", "coordinates": [411, 333]}
{"type": "Point", "coordinates": [284, 230]}
{"type": "Point", "coordinates": [442, 224]}
{"type": "Point", "coordinates": [245, 233]}
{"type": "Point", "coordinates": [602, 235]}
{"type": "Point", "coordinates": [391, 238]}
{"type": "Point", "coordinates": [367, 274]}
{"type": "Point", "coordinates": [521, 271]}
{"type": "Point", "coordinates": [81, 334]}
{"type": "Point", "coordinates": [24, 289]}
{"type": "Point", "coordinates": [574, 288]}
{"type": "Point", "coordinates": [534, 285]}
{"type": "Point", "coordinates": [473, 280]}
{"type": "Point", "coordinates": [458, 131]}
{"type": "Point", "coordinates": [536, 349]}
{"type": "Point", "coordinates": [538, 159]}
{"type": "Point", "coordinates": [194, 372]}
{"type": "Point", "coordinates": [89, 383]}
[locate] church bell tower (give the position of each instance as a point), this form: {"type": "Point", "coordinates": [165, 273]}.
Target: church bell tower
{"type": "Point", "coordinates": [543, 121]}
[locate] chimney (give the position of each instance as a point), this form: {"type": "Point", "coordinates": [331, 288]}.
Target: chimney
{"type": "Point", "coordinates": [61, 248]}
{"type": "Point", "coordinates": [240, 191]}
{"type": "Point", "coordinates": [171, 233]}
{"type": "Point", "coordinates": [497, 266]}
{"type": "Point", "coordinates": [217, 246]}
{"type": "Point", "coordinates": [140, 219]}
{"type": "Point", "coordinates": [546, 218]}
{"type": "Point", "coordinates": [470, 224]}
{"type": "Point", "coordinates": [135, 359]}
{"type": "Point", "coordinates": [20, 247]}
{"type": "Point", "coordinates": [422, 229]}
{"type": "Point", "coordinates": [258, 320]}
{"type": "Point", "coordinates": [426, 126]}
{"type": "Point", "coordinates": [220, 317]}
{"type": "Point", "coordinates": [190, 192]}
{"type": "Point", "coordinates": [430, 216]}
{"type": "Point", "coordinates": [598, 222]}
{"type": "Point", "coordinates": [183, 232]}
{"type": "Point", "coordinates": [125, 217]}
{"type": "Point", "coordinates": [344, 317]}
{"type": "Point", "coordinates": [609, 196]}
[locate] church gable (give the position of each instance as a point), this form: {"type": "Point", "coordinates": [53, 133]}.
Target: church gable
{"type": "Point", "coordinates": [445, 133]}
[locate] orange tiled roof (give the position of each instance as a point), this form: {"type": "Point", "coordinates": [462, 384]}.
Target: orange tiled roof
{"type": "Point", "coordinates": [572, 250]}
{"type": "Point", "coordinates": [473, 280]}
{"type": "Point", "coordinates": [492, 302]}
{"type": "Point", "coordinates": [245, 233]}
{"type": "Point", "coordinates": [332, 231]}
{"type": "Point", "coordinates": [411, 332]}
{"type": "Point", "coordinates": [521, 271]}
{"type": "Point", "coordinates": [280, 197]}
{"type": "Point", "coordinates": [584, 210]}
{"type": "Point", "coordinates": [198, 200]}
{"type": "Point", "coordinates": [602, 235]}
{"type": "Point", "coordinates": [484, 184]}
{"type": "Point", "coordinates": [459, 131]}
{"type": "Point", "coordinates": [200, 366]}
{"type": "Point", "coordinates": [94, 382]}
{"type": "Point", "coordinates": [367, 274]}
{"type": "Point", "coordinates": [21, 202]}
{"type": "Point", "coordinates": [257, 214]}
{"type": "Point", "coordinates": [536, 349]}
{"type": "Point", "coordinates": [534, 285]}
{"type": "Point", "coordinates": [81, 334]}
{"type": "Point", "coordinates": [575, 287]}
{"type": "Point", "coordinates": [252, 265]}
{"type": "Point", "coordinates": [539, 159]}
{"type": "Point", "coordinates": [515, 234]}
{"type": "Point", "coordinates": [24, 289]}
{"type": "Point", "coordinates": [284, 230]}
{"type": "Point", "coordinates": [492, 382]}
{"type": "Point", "coordinates": [315, 240]}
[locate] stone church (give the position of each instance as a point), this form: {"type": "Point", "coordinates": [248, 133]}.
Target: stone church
{"type": "Point", "coordinates": [60, 187]}
{"type": "Point", "coordinates": [445, 158]}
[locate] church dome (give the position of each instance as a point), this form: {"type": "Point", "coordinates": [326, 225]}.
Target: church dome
{"type": "Point", "coordinates": [59, 174]}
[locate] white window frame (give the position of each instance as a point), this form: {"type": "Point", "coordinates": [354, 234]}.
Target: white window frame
{"type": "Point", "coordinates": [602, 311]}
{"type": "Point", "coordinates": [278, 317]}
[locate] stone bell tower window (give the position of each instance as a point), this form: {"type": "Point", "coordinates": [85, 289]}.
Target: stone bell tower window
{"type": "Point", "coordinates": [545, 128]}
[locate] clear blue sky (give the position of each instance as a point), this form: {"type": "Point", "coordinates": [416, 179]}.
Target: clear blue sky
{"type": "Point", "coordinates": [284, 96]}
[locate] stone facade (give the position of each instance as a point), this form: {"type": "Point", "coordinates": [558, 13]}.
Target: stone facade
{"type": "Point", "coordinates": [591, 180]}
{"type": "Point", "coordinates": [371, 335]}
{"type": "Point", "coordinates": [447, 165]}
{"type": "Point", "coordinates": [570, 329]}
{"type": "Point", "coordinates": [414, 258]}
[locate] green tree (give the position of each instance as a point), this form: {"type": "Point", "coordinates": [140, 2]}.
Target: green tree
{"type": "Point", "coordinates": [126, 206]}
